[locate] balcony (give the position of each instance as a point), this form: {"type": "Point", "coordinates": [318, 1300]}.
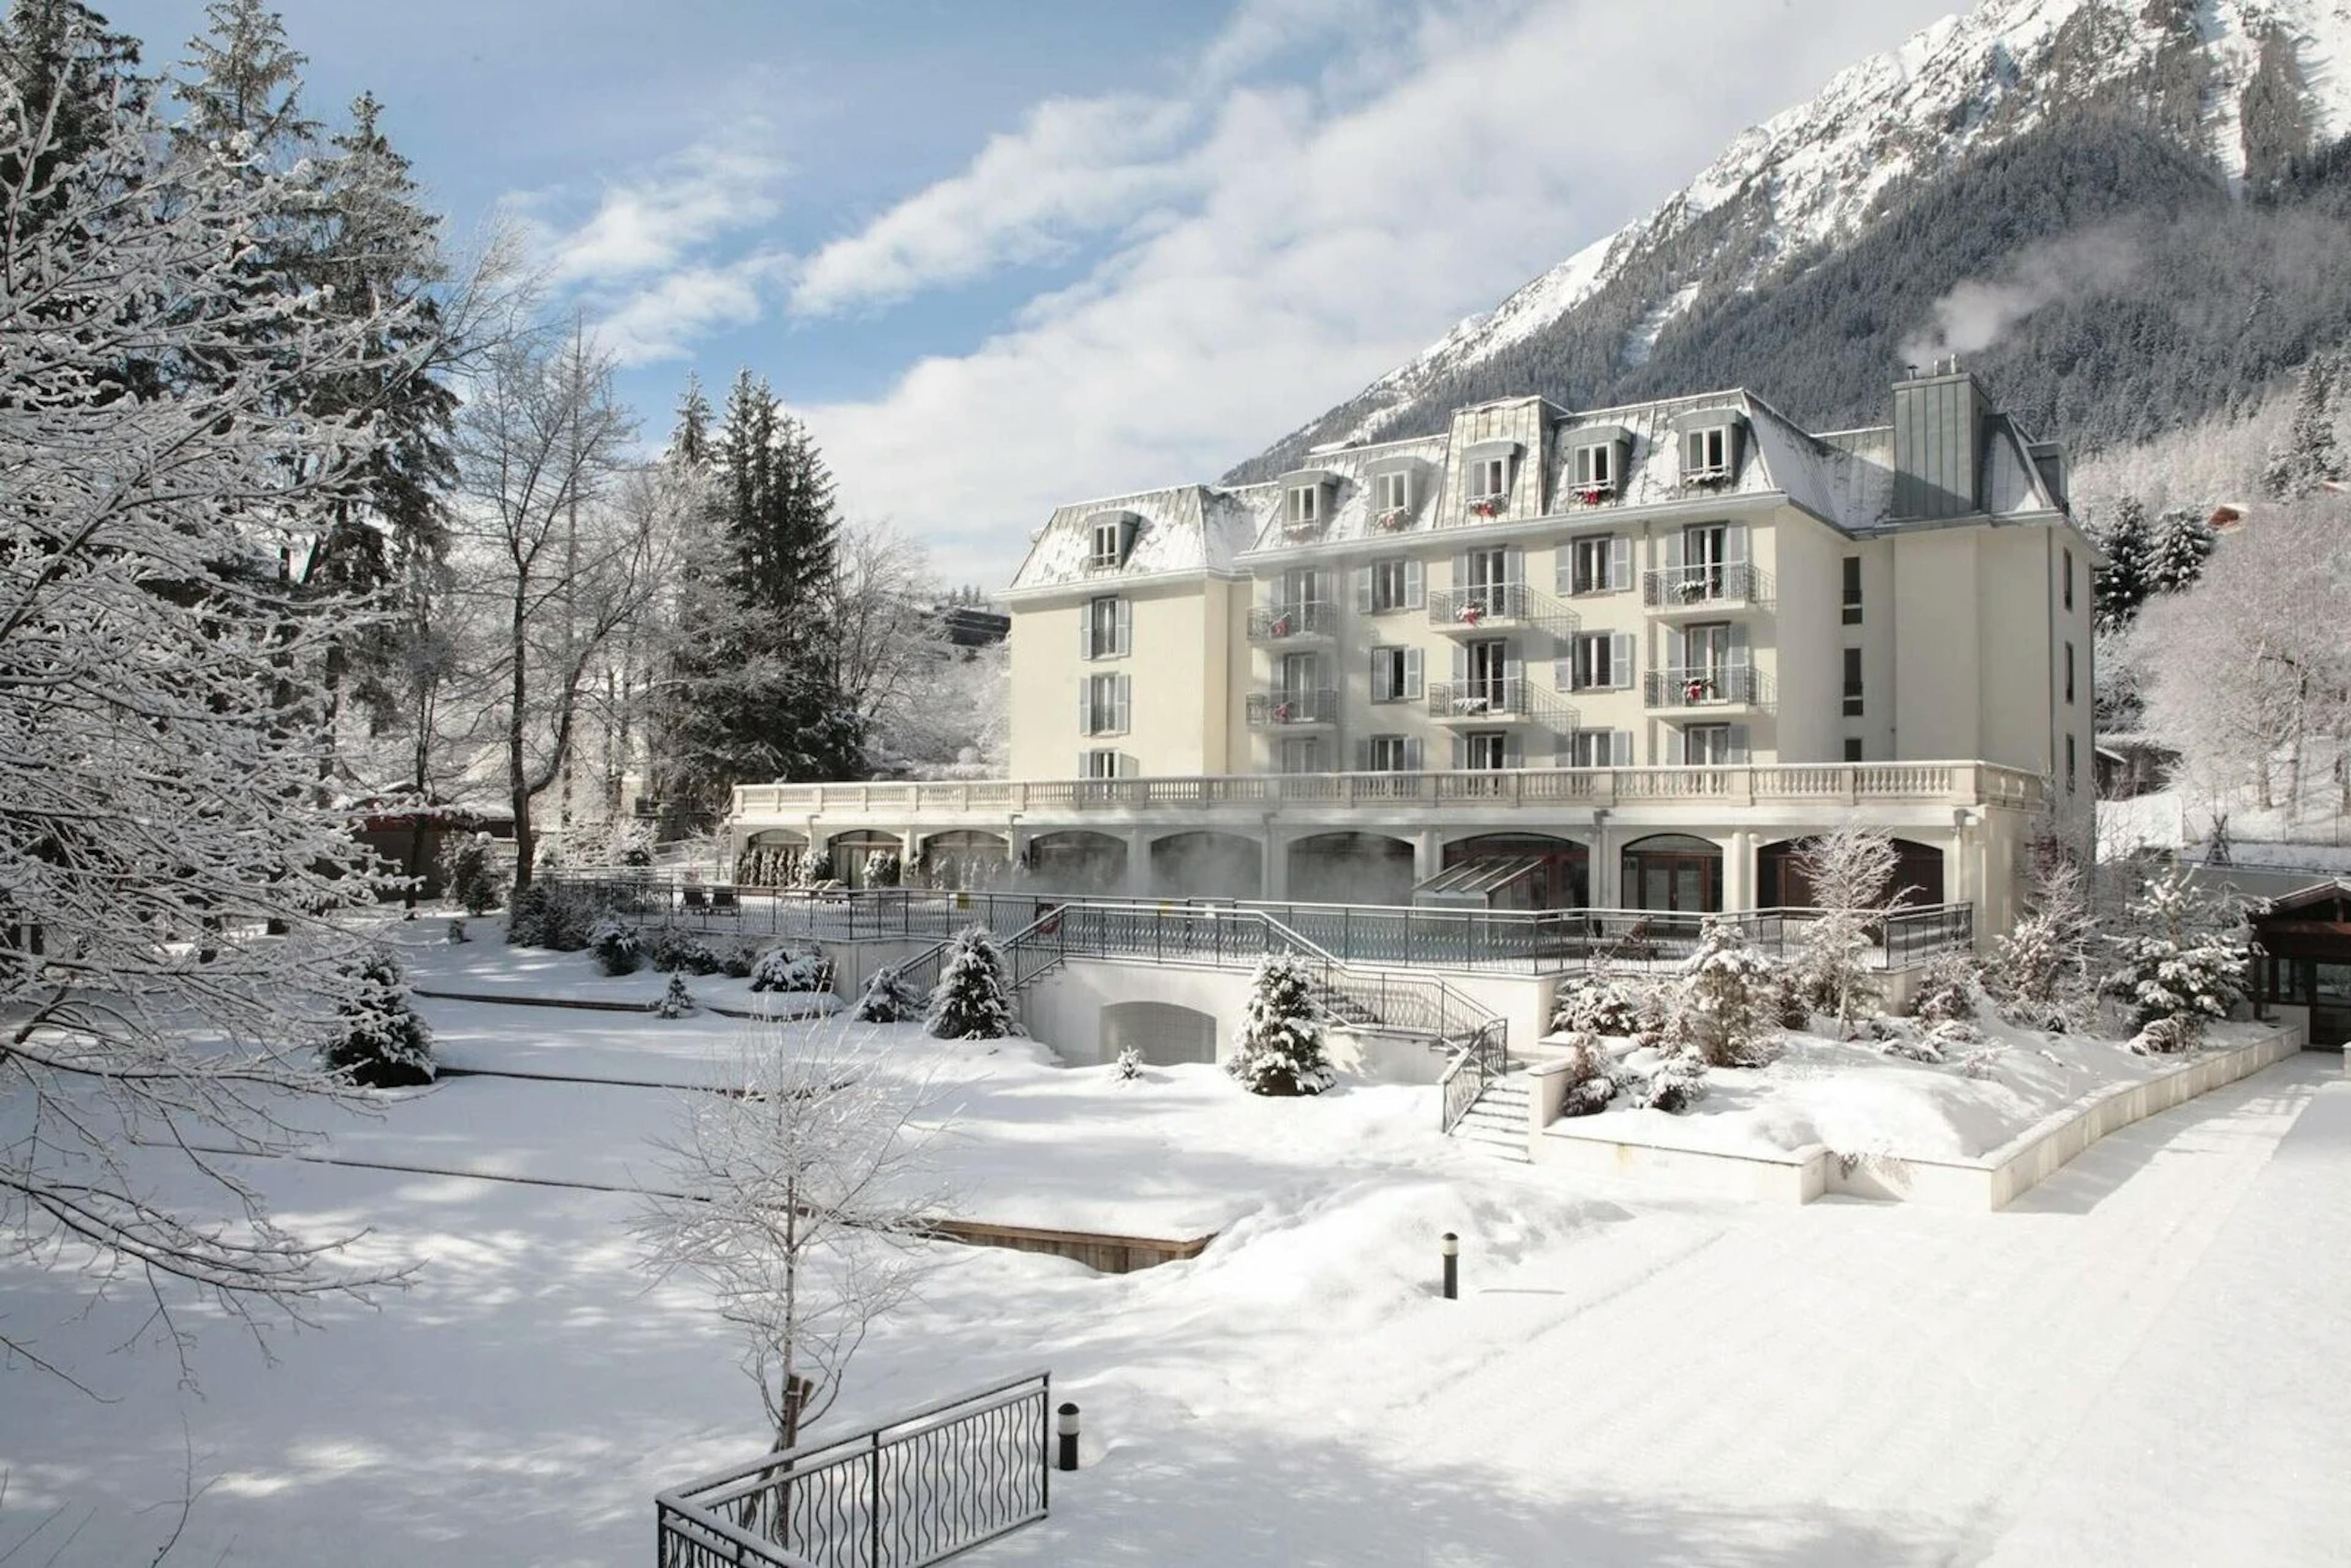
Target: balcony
{"type": "Point", "coordinates": [1498, 607]}
{"type": "Point", "coordinates": [1513, 701]}
{"type": "Point", "coordinates": [1711, 587]}
{"type": "Point", "coordinates": [1308, 620]}
{"type": "Point", "coordinates": [1736, 687]}
{"type": "Point", "coordinates": [1290, 710]}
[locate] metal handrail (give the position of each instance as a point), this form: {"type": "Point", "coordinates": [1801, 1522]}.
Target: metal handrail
{"type": "Point", "coordinates": [1317, 704]}
{"type": "Point", "coordinates": [1705, 582]}
{"type": "Point", "coordinates": [1707, 686]}
{"type": "Point", "coordinates": [1301, 618]}
{"type": "Point", "coordinates": [1464, 609]}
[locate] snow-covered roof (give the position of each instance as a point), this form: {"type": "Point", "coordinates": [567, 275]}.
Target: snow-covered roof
{"type": "Point", "coordinates": [1178, 530]}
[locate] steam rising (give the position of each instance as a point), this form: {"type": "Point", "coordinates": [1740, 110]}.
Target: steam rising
{"type": "Point", "coordinates": [1975, 315]}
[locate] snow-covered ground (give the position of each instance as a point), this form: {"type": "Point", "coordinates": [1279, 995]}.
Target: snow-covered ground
{"type": "Point", "coordinates": [1630, 1378]}
{"type": "Point", "coordinates": [1858, 1100]}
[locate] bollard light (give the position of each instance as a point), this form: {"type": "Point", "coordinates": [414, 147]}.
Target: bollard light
{"type": "Point", "coordinates": [1452, 1246]}
{"type": "Point", "coordinates": [1066, 1424]}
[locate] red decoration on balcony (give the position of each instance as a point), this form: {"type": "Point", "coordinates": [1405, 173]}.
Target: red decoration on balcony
{"type": "Point", "coordinates": [1281, 627]}
{"type": "Point", "coordinates": [1591, 494]}
{"type": "Point", "coordinates": [1485, 507]}
{"type": "Point", "coordinates": [1473, 613]}
{"type": "Point", "coordinates": [1693, 691]}
{"type": "Point", "coordinates": [1281, 713]}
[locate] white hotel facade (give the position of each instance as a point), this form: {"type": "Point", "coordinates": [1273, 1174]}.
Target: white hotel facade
{"type": "Point", "coordinates": [1618, 658]}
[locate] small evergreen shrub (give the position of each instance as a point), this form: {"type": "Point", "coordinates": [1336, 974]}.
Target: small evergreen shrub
{"type": "Point", "coordinates": [551, 915]}
{"type": "Point", "coordinates": [973, 999]}
{"type": "Point", "coordinates": [1591, 1078]}
{"type": "Point", "coordinates": [1129, 1069]}
{"type": "Point", "coordinates": [682, 952]}
{"type": "Point", "coordinates": [1724, 1005]}
{"type": "Point", "coordinates": [1675, 1084]}
{"type": "Point", "coordinates": [677, 1001]}
{"type": "Point", "coordinates": [1281, 1048]}
{"type": "Point", "coordinates": [470, 873]}
{"type": "Point", "coordinates": [1946, 989]}
{"type": "Point", "coordinates": [738, 963]}
{"type": "Point", "coordinates": [616, 947]}
{"type": "Point", "coordinates": [382, 1043]}
{"type": "Point", "coordinates": [457, 930]}
{"type": "Point", "coordinates": [1597, 1003]}
{"type": "Point", "coordinates": [887, 998]}
{"type": "Point", "coordinates": [790, 966]}
{"type": "Point", "coordinates": [2180, 964]}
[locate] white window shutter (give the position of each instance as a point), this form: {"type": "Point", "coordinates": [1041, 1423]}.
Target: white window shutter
{"type": "Point", "coordinates": [1086, 631]}
{"type": "Point", "coordinates": [1363, 590]}
{"type": "Point", "coordinates": [1119, 713]}
{"type": "Point", "coordinates": [1620, 659]}
{"type": "Point", "coordinates": [1129, 766]}
{"type": "Point", "coordinates": [1513, 667]}
{"type": "Point", "coordinates": [1562, 577]}
{"type": "Point", "coordinates": [1620, 564]}
{"type": "Point", "coordinates": [1620, 748]}
{"type": "Point", "coordinates": [1460, 664]}
{"type": "Point", "coordinates": [1738, 645]}
{"type": "Point", "coordinates": [1461, 752]}
{"type": "Point", "coordinates": [1382, 674]}
{"type": "Point", "coordinates": [1673, 549]}
{"type": "Point", "coordinates": [1122, 639]}
{"type": "Point", "coordinates": [1563, 672]}
{"type": "Point", "coordinates": [1514, 750]}
{"type": "Point", "coordinates": [1085, 705]}
{"type": "Point", "coordinates": [1411, 753]}
{"type": "Point", "coordinates": [1734, 542]}
{"type": "Point", "coordinates": [1514, 565]}
{"type": "Point", "coordinates": [1738, 743]}
{"type": "Point", "coordinates": [1416, 586]}
{"type": "Point", "coordinates": [1412, 672]}
{"type": "Point", "coordinates": [1461, 571]}
{"type": "Point", "coordinates": [1363, 755]}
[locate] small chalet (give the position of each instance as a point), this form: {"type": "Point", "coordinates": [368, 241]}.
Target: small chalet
{"type": "Point", "coordinates": [2303, 959]}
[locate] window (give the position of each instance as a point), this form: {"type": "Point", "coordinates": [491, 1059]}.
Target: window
{"type": "Point", "coordinates": [1302, 754]}
{"type": "Point", "coordinates": [1396, 674]}
{"type": "Point", "coordinates": [1392, 492]}
{"type": "Point", "coordinates": [1486, 669]}
{"type": "Point", "coordinates": [1852, 590]}
{"type": "Point", "coordinates": [2070, 760]}
{"type": "Point", "coordinates": [1391, 754]}
{"type": "Point", "coordinates": [1595, 466]}
{"type": "Point", "coordinates": [2069, 579]}
{"type": "Point", "coordinates": [1596, 748]}
{"type": "Point", "coordinates": [1302, 586]}
{"type": "Point", "coordinates": [1107, 628]}
{"type": "Point", "coordinates": [1706, 454]}
{"type": "Point", "coordinates": [1110, 544]}
{"type": "Point", "coordinates": [1853, 748]}
{"type": "Point", "coordinates": [1489, 478]}
{"type": "Point", "coordinates": [1388, 585]}
{"type": "Point", "coordinates": [1098, 764]}
{"type": "Point", "coordinates": [1599, 661]}
{"type": "Point", "coordinates": [1705, 746]}
{"type": "Point", "coordinates": [1305, 505]}
{"type": "Point", "coordinates": [1852, 683]}
{"type": "Point", "coordinates": [1487, 748]}
{"type": "Point", "coordinates": [2069, 671]}
{"type": "Point", "coordinates": [1602, 564]}
{"type": "Point", "coordinates": [1103, 704]}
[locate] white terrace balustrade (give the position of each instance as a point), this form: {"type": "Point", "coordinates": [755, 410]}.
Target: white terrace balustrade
{"type": "Point", "coordinates": [1478, 792]}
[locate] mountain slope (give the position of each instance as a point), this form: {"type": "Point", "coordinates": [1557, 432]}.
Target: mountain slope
{"type": "Point", "coordinates": [1809, 257]}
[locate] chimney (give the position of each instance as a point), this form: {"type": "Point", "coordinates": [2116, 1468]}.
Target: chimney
{"type": "Point", "coordinates": [1939, 441]}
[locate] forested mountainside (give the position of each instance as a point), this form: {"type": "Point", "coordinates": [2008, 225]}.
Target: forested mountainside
{"type": "Point", "coordinates": [2128, 217]}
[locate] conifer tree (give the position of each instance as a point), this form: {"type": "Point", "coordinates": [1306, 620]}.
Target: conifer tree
{"type": "Point", "coordinates": [2180, 542]}
{"type": "Point", "coordinates": [1280, 1050]}
{"type": "Point", "coordinates": [247, 83]}
{"type": "Point", "coordinates": [2308, 458]}
{"type": "Point", "coordinates": [2122, 583]}
{"type": "Point", "coordinates": [62, 61]}
{"type": "Point", "coordinates": [973, 999]}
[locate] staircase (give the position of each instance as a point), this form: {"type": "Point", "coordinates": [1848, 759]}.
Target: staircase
{"type": "Point", "coordinates": [1497, 1121]}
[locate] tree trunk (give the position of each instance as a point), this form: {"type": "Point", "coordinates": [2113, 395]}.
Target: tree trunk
{"type": "Point", "coordinates": [517, 784]}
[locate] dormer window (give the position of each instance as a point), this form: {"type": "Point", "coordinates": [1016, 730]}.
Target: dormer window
{"type": "Point", "coordinates": [1112, 536]}
{"type": "Point", "coordinates": [1392, 492]}
{"type": "Point", "coordinates": [1305, 505]}
{"type": "Point", "coordinates": [1489, 478]}
{"type": "Point", "coordinates": [1706, 454]}
{"type": "Point", "coordinates": [1596, 469]}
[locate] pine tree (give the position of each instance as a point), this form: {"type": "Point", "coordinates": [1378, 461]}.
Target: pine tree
{"type": "Point", "coordinates": [1280, 1050]}
{"type": "Point", "coordinates": [973, 999]}
{"type": "Point", "coordinates": [2180, 543]}
{"type": "Point", "coordinates": [61, 60]}
{"type": "Point", "coordinates": [887, 998]}
{"type": "Point", "coordinates": [246, 87]}
{"type": "Point", "coordinates": [1722, 1010]}
{"type": "Point", "coordinates": [2121, 585]}
{"type": "Point", "coordinates": [2179, 961]}
{"type": "Point", "coordinates": [2308, 458]}
{"type": "Point", "coordinates": [382, 1044]}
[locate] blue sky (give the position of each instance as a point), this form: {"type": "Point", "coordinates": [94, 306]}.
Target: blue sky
{"type": "Point", "coordinates": [1006, 253]}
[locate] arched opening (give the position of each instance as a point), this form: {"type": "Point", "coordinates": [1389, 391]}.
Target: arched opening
{"type": "Point", "coordinates": [1351, 868]}
{"type": "Point", "coordinates": [1780, 881]}
{"type": "Point", "coordinates": [1078, 861]}
{"type": "Point", "coordinates": [1673, 872]}
{"type": "Point", "coordinates": [773, 857]}
{"type": "Point", "coordinates": [965, 860]}
{"type": "Point", "coordinates": [1206, 865]}
{"type": "Point", "coordinates": [864, 857]}
{"type": "Point", "coordinates": [1515, 870]}
{"type": "Point", "coordinates": [1165, 1033]}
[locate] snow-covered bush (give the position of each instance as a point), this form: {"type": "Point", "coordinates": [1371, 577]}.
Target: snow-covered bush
{"type": "Point", "coordinates": [1597, 1003]}
{"type": "Point", "coordinates": [682, 952]}
{"type": "Point", "coordinates": [888, 997]}
{"type": "Point", "coordinates": [1850, 872]}
{"type": "Point", "coordinates": [973, 999]}
{"type": "Point", "coordinates": [470, 873]}
{"type": "Point", "coordinates": [616, 947]}
{"type": "Point", "coordinates": [1947, 989]}
{"type": "Point", "coordinates": [792, 966]}
{"type": "Point", "coordinates": [1674, 1083]}
{"type": "Point", "coordinates": [2040, 972]}
{"type": "Point", "coordinates": [1591, 1078]}
{"type": "Point", "coordinates": [2179, 961]}
{"type": "Point", "coordinates": [1953, 1033]}
{"type": "Point", "coordinates": [1280, 1050]}
{"type": "Point", "coordinates": [737, 962]}
{"type": "Point", "coordinates": [381, 1043]}
{"type": "Point", "coordinates": [677, 1001]}
{"type": "Point", "coordinates": [1723, 1006]}
{"type": "Point", "coordinates": [457, 930]}
{"type": "Point", "coordinates": [1982, 1063]}
{"type": "Point", "coordinates": [551, 915]}
{"type": "Point", "coordinates": [1129, 1069]}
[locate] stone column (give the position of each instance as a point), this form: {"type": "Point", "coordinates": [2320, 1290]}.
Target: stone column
{"type": "Point", "coordinates": [1601, 871]}
{"type": "Point", "coordinates": [1138, 864]}
{"type": "Point", "coordinates": [1428, 853]}
{"type": "Point", "coordinates": [1738, 871]}
{"type": "Point", "coordinates": [1273, 879]}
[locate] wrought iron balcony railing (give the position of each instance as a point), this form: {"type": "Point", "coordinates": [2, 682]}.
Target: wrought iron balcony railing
{"type": "Point", "coordinates": [1705, 585]}
{"type": "Point", "coordinates": [1284, 622]}
{"type": "Point", "coordinates": [1493, 701]}
{"type": "Point", "coordinates": [1501, 606]}
{"type": "Point", "coordinates": [1277, 709]}
{"type": "Point", "coordinates": [1709, 685]}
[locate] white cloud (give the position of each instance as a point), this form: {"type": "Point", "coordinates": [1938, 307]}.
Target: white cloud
{"type": "Point", "coordinates": [1310, 237]}
{"type": "Point", "coordinates": [662, 319]}
{"type": "Point", "coordinates": [652, 221]}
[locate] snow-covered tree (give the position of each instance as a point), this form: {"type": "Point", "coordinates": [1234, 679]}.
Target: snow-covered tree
{"type": "Point", "coordinates": [1597, 1002]}
{"type": "Point", "coordinates": [381, 1043]}
{"type": "Point", "coordinates": [2308, 458]}
{"type": "Point", "coordinates": [2179, 959]}
{"type": "Point", "coordinates": [973, 999]}
{"type": "Point", "coordinates": [2041, 969]}
{"type": "Point", "coordinates": [798, 1195]}
{"type": "Point", "coordinates": [1850, 872]}
{"type": "Point", "coordinates": [2120, 586]}
{"type": "Point", "coordinates": [1280, 1050]}
{"type": "Point", "coordinates": [1947, 989]}
{"type": "Point", "coordinates": [1722, 1007]}
{"type": "Point", "coordinates": [157, 761]}
{"type": "Point", "coordinates": [888, 997]}
{"type": "Point", "coordinates": [614, 942]}
{"type": "Point", "coordinates": [2181, 544]}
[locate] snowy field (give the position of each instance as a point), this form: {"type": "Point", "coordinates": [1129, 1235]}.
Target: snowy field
{"type": "Point", "coordinates": [2117, 1370]}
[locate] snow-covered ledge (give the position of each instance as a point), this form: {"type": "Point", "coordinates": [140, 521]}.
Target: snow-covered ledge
{"type": "Point", "coordinates": [1991, 1181]}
